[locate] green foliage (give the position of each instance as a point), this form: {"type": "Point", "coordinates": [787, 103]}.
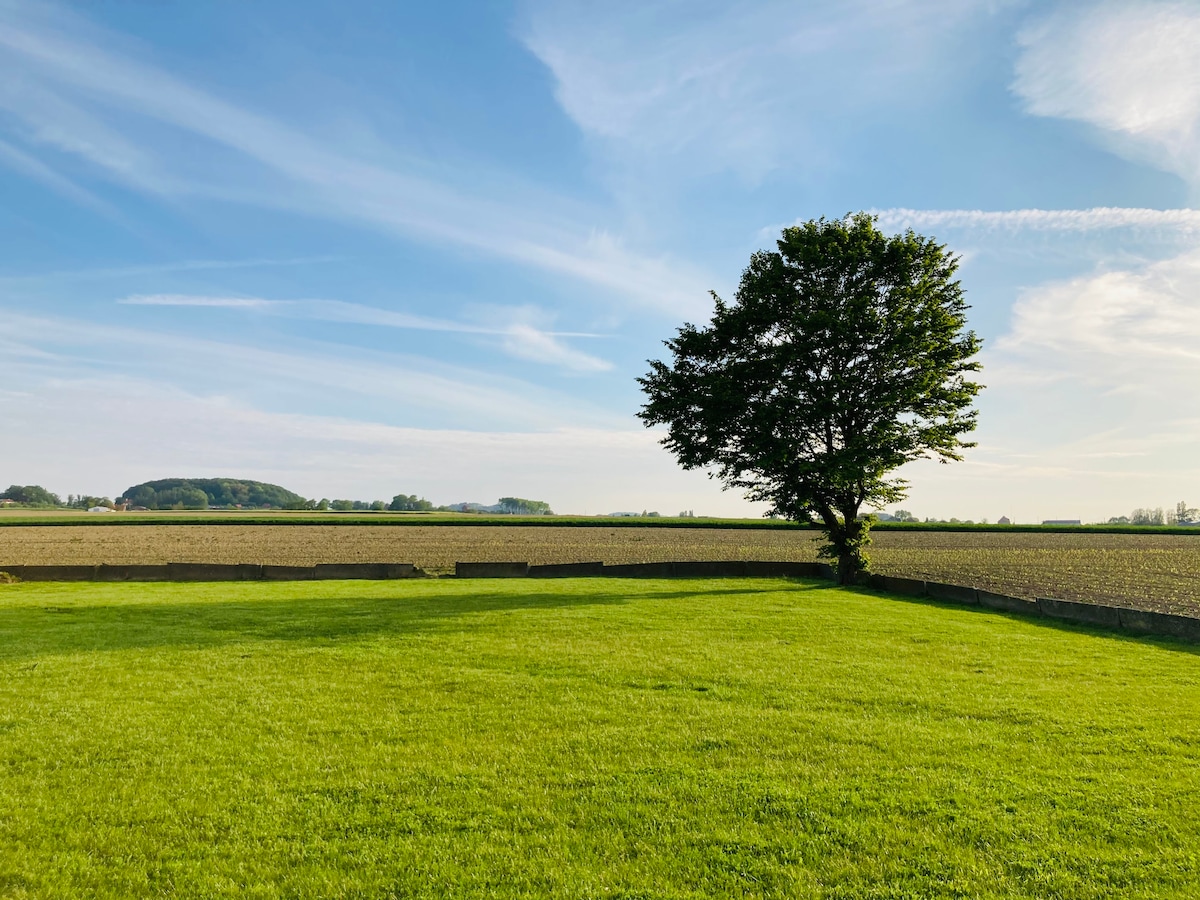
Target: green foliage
{"type": "Point", "coordinates": [1147, 516]}
{"type": "Point", "coordinates": [517, 506]}
{"type": "Point", "coordinates": [201, 493]}
{"type": "Point", "coordinates": [843, 356]}
{"type": "Point", "coordinates": [31, 495]}
{"type": "Point", "coordinates": [583, 738]}
{"type": "Point", "coordinates": [409, 503]}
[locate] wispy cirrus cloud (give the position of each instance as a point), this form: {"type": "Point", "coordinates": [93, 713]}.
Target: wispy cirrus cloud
{"type": "Point", "coordinates": [96, 97]}
{"type": "Point", "coordinates": [308, 373]}
{"type": "Point", "coordinates": [1183, 221]}
{"type": "Point", "coordinates": [521, 338]}
{"type": "Point", "coordinates": [1129, 68]}
{"type": "Point", "coordinates": [32, 167]}
{"type": "Point", "coordinates": [704, 87]}
{"type": "Point", "coordinates": [187, 265]}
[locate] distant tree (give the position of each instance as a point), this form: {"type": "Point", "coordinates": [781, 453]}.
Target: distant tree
{"type": "Point", "coordinates": [1119, 520]}
{"type": "Point", "coordinates": [409, 503]}
{"type": "Point", "coordinates": [518, 506]}
{"type": "Point", "coordinates": [1147, 516]}
{"type": "Point", "coordinates": [844, 356]}
{"type": "Point", "coordinates": [342, 505]}
{"type": "Point", "coordinates": [1183, 514]}
{"type": "Point", "coordinates": [903, 515]}
{"type": "Point", "coordinates": [323, 504]}
{"type": "Point", "coordinates": [378, 506]}
{"type": "Point", "coordinates": [31, 495]}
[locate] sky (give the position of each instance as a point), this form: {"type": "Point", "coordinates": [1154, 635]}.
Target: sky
{"type": "Point", "coordinates": [370, 248]}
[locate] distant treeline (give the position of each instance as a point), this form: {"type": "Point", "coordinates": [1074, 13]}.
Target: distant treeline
{"type": "Point", "coordinates": [242, 493]}
{"type": "Point", "coordinates": [204, 493]}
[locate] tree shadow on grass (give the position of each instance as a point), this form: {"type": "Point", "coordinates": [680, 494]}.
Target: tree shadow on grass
{"type": "Point", "coordinates": [29, 631]}
{"type": "Point", "coordinates": [1164, 642]}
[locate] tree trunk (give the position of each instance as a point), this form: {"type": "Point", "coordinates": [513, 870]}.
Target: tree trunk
{"type": "Point", "coordinates": [846, 569]}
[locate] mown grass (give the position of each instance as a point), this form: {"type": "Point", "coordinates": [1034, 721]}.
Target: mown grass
{"type": "Point", "coordinates": [590, 738]}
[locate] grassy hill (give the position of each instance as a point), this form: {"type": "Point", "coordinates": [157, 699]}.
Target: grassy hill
{"type": "Point", "coordinates": [604, 738]}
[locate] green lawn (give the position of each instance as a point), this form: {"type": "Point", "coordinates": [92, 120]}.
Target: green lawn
{"type": "Point", "coordinates": [602, 738]}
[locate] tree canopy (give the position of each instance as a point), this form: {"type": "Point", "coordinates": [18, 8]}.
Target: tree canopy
{"type": "Point", "coordinates": [843, 356]}
{"type": "Point", "coordinates": [201, 493]}
{"type": "Point", "coordinates": [30, 495]}
{"type": "Point", "coordinates": [519, 506]}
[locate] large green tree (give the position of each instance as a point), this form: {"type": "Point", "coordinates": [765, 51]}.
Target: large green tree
{"type": "Point", "coordinates": [844, 355]}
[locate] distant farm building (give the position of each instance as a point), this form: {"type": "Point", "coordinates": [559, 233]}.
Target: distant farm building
{"type": "Point", "coordinates": [1061, 522]}
{"type": "Point", "coordinates": [1004, 520]}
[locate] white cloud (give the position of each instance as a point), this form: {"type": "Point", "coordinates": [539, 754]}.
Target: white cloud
{"type": "Point", "coordinates": [734, 86]}
{"type": "Point", "coordinates": [1182, 221]}
{"type": "Point", "coordinates": [527, 342]}
{"type": "Point", "coordinates": [94, 97]}
{"type": "Point", "coordinates": [1129, 68]}
{"type": "Point", "coordinates": [1134, 330]}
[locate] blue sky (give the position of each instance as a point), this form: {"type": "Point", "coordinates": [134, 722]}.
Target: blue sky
{"type": "Point", "coordinates": [367, 248]}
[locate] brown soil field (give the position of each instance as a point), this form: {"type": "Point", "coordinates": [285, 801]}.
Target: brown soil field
{"type": "Point", "coordinates": [1148, 571]}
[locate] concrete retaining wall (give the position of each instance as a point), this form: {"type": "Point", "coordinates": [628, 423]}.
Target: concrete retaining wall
{"type": "Point", "coordinates": [951, 593]}
{"type": "Point", "coordinates": [289, 573]}
{"type": "Point", "coordinates": [567, 570]}
{"type": "Point", "coordinates": [367, 571]}
{"type": "Point", "coordinates": [1143, 621]}
{"type": "Point", "coordinates": [52, 573]}
{"type": "Point", "coordinates": [1073, 611]}
{"type": "Point", "coordinates": [491, 569]}
{"type": "Point", "coordinates": [641, 570]}
{"type": "Point", "coordinates": [1004, 603]}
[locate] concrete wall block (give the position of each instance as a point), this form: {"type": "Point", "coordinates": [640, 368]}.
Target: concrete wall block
{"type": "Point", "coordinates": [1005, 603]}
{"type": "Point", "coordinates": [910, 587]}
{"type": "Point", "coordinates": [715, 569]}
{"type": "Point", "coordinates": [1073, 611]}
{"type": "Point", "coordinates": [289, 573]}
{"type": "Point", "coordinates": [951, 593]}
{"type": "Point", "coordinates": [57, 573]}
{"type": "Point", "coordinates": [349, 571]}
{"type": "Point", "coordinates": [757, 569]}
{"type": "Point", "coordinates": [567, 570]}
{"type": "Point", "coordinates": [187, 571]}
{"type": "Point", "coordinates": [491, 569]}
{"type": "Point", "coordinates": [132, 573]}
{"type": "Point", "coordinates": [641, 570]}
{"type": "Point", "coordinates": [879, 582]}
{"type": "Point", "coordinates": [825, 570]}
{"type": "Point", "coordinates": [1143, 621]}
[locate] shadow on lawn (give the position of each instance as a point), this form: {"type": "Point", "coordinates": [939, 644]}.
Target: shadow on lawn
{"type": "Point", "coordinates": [1164, 642]}
{"type": "Point", "coordinates": [29, 631]}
